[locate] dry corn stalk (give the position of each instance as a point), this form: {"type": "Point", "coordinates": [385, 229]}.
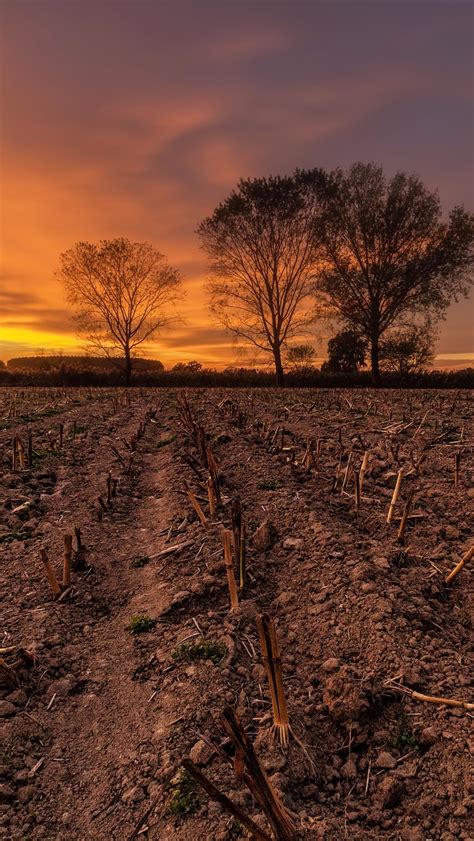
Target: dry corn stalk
{"type": "Point", "coordinates": [464, 560]}
{"type": "Point", "coordinates": [363, 471]}
{"type": "Point", "coordinates": [431, 699]}
{"type": "Point", "coordinates": [238, 530]}
{"type": "Point", "coordinates": [19, 461]}
{"type": "Point", "coordinates": [404, 520]}
{"type": "Point", "coordinates": [224, 801]}
{"type": "Point", "coordinates": [247, 767]}
{"type": "Point", "coordinates": [211, 497]}
{"type": "Point", "coordinates": [194, 502]}
{"type": "Point", "coordinates": [53, 581]}
{"type": "Point", "coordinates": [309, 458]}
{"type": "Point", "coordinates": [395, 495]}
{"type": "Point", "coordinates": [242, 557]}
{"type": "Point", "coordinates": [272, 663]}
{"type": "Point", "coordinates": [229, 565]}
{"type": "Point", "coordinates": [346, 473]}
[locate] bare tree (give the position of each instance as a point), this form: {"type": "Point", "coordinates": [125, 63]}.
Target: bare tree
{"type": "Point", "coordinates": [262, 257]}
{"type": "Point", "coordinates": [301, 357]}
{"type": "Point", "coordinates": [121, 289]}
{"type": "Point", "coordinates": [387, 253]}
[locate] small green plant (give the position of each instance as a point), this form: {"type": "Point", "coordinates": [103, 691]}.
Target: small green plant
{"type": "Point", "coordinates": [28, 417]}
{"type": "Point", "coordinates": [404, 738]}
{"type": "Point", "coordinates": [141, 623]}
{"type": "Point", "coordinates": [140, 562]}
{"type": "Point", "coordinates": [39, 455]}
{"type": "Point", "coordinates": [184, 799]}
{"type": "Point", "coordinates": [235, 829]}
{"type": "Point", "coordinates": [268, 485]}
{"type": "Point", "coordinates": [202, 650]}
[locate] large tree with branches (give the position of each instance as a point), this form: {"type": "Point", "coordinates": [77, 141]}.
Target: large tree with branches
{"type": "Point", "coordinates": [387, 254]}
{"type": "Point", "coordinates": [262, 258]}
{"type": "Point", "coordinates": [122, 290]}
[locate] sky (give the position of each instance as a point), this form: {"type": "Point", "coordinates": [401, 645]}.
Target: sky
{"type": "Point", "coordinates": [132, 118]}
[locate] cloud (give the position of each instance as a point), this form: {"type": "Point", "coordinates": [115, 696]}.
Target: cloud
{"type": "Point", "coordinates": [145, 136]}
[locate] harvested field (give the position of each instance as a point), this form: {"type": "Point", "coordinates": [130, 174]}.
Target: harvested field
{"type": "Point", "coordinates": [216, 527]}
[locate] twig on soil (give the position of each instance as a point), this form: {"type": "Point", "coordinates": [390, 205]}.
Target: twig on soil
{"type": "Point", "coordinates": [367, 781]}
{"type": "Point", "coordinates": [32, 771]}
{"type": "Point", "coordinates": [143, 818]}
{"type": "Point", "coordinates": [53, 698]}
{"type": "Point", "coordinates": [170, 550]}
{"type": "Point", "coordinates": [431, 699]}
{"type": "Point", "coordinates": [464, 560]}
{"type": "Point", "coordinates": [197, 626]}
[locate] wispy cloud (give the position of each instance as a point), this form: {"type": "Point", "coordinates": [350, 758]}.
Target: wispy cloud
{"type": "Point", "coordinates": [172, 106]}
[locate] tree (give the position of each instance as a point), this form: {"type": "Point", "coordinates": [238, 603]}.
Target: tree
{"type": "Point", "coordinates": [408, 350]}
{"type": "Point", "coordinates": [192, 367]}
{"type": "Point", "coordinates": [301, 357]}
{"type": "Point", "coordinates": [262, 255]}
{"type": "Point", "coordinates": [386, 252]}
{"type": "Point", "coordinates": [346, 352]}
{"type": "Point", "coordinates": [121, 289]}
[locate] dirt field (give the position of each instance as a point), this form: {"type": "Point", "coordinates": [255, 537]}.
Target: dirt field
{"type": "Point", "coordinates": [97, 716]}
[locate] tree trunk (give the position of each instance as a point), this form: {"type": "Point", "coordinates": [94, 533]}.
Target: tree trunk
{"type": "Point", "coordinates": [278, 366]}
{"type": "Point", "coordinates": [374, 358]}
{"type": "Point", "coordinates": [128, 368]}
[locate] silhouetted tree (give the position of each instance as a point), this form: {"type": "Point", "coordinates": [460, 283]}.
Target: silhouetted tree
{"type": "Point", "coordinates": [121, 289]}
{"type": "Point", "coordinates": [346, 353]}
{"type": "Point", "coordinates": [301, 357]}
{"type": "Point", "coordinates": [262, 256]}
{"type": "Point", "coordinates": [192, 367]}
{"type": "Point", "coordinates": [386, 252]}
{"type": "Point", "coordinates": [408, 350]}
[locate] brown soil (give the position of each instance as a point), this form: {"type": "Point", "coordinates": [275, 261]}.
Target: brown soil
{"type": "Point", "coordinates": [96, 728]}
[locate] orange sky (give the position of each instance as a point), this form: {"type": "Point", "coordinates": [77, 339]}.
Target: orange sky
{"type": "Point", "coordinates": [136, 119]}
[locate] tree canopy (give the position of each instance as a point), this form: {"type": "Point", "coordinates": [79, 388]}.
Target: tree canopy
{"type": "Point", "coordinates": [386, 251]}
{"type": "Point", "coordinates": [262, 256]}
{"type": "Point", "coordinates": [121, 290]}
{"type": "Point", "coordinates": [408, 350]}
{"type": "Point", "coordinates": [346, 353]}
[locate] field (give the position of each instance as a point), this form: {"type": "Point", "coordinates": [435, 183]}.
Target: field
{"type": "Point", "coordinates": [128, 631]}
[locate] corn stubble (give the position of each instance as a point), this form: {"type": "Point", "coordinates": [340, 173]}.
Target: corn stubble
{"type": "Point", "coordinates": [248, 769]}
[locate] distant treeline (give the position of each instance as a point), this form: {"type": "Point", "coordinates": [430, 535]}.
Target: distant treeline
{"type": "Point", "coordinates": [152, 373]}
{"type": "Point", "coordinates": [32, 364]}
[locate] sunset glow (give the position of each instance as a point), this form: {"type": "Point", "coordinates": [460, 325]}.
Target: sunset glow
{"type": "Point", "coordinates": [136, 119]}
